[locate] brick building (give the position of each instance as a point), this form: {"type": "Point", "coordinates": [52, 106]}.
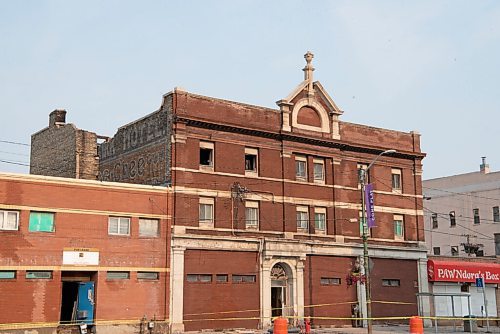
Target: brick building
{"type": "Point", "coordinates": [63, 150]}
{"type": "Point", "coordinates": [105, 242]}
{"type": "Point", "coordinates": [266, 207]}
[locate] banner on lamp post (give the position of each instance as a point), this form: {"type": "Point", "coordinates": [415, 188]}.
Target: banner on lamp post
{"type": "Point", "coordinates": [369, 206]}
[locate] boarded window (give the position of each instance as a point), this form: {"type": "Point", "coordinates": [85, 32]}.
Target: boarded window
{"type": "Point", "coordinates": [41, 222]}
{"type": "Point", "coordinates": [148, 227]}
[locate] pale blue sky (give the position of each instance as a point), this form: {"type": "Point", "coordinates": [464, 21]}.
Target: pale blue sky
{"type": "Point", "coordinates": [430, 66]}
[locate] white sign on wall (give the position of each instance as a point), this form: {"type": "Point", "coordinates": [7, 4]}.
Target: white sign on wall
{"type": "Point", "coordinates": [81, 256]}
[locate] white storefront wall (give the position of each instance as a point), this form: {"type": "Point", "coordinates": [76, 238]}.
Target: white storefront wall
{"type": "Point", "coordinates": [443, 305]}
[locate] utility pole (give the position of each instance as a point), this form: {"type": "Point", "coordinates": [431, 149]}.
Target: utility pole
{"type": "Point", "coordinates": [366, 259]}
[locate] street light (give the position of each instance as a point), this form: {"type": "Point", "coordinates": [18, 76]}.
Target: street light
{"type": "Point", "coordinates": [362, 180]}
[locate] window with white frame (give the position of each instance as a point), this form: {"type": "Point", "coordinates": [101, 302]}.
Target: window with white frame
{"type": "Point", "coordinates": [148, 227]}
{"type": "Point", "coordinates": [319, 170]}
{"type": "Point", "coordinates": [396, 180]}
{"type": "Point", "coordinates": [252, 215]}
{"type": "Point", "coordinates": [302, 218]}
{"type": "Point", "coordinates": [206, 214]}
{"type": "Point", "coordinates": [119, 226]}
{"type": "Point", "coordinates": [399, 228]}
{"type": "Point", "coordinates": [9, 220]}
{"type": "Point", "coordinates": [251, 160]}
{"type": "Point", "coordinates": [320, 220]}
{"type": "Point", "coordinates": [301, 167]}
{"type": "Point", "coordinates": [206, 155]}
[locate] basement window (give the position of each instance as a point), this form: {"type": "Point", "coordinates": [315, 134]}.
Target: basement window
{"type": "Point", "coordinates": [330, 281]}
{"type": "Point", "coordinates": [148, 275]}
{"type": "Point", "coordinates": [7, 274]}
{"type": "Point", "coordinates": [391, 282]}
{"type": "Point", "coordinates": [117, 275]}
{"type": "Point", "coordinates": [199, 278]}
{"type": "Point", "coordinates": [39, 274]}
{"type": "Point", "coordinates": [244, 278]}
{"type": "Point", "coordinates": [222, 278]}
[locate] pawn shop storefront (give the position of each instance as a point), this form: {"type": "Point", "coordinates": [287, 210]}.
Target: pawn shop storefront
{"type": "Point", "coordinates": [453, 281]}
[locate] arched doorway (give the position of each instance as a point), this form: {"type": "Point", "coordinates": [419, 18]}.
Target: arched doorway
{"type": "Point", "coordinates": [281, 290]}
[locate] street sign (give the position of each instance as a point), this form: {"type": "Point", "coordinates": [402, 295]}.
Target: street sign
{"type": "Point", "coordinates": [479, 282]}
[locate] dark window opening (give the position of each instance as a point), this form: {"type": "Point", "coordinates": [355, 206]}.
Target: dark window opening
{"type": "Point", "coordinates": [436, 250]}
{"type": "Point", "coordinates": [453, 221]}
{"type": "Point", "coordinates": [250, 162]}
{"type": "Point", "coordinates": [454, 250]}
{"type": "Point", "coordinates": [496, 214]}
{"type": "Point", "coordinates": [477, 220]}
{"type": "Point", "coordinates": [206, 156]}
{"type": "Point", "coordinates": [434, 220]}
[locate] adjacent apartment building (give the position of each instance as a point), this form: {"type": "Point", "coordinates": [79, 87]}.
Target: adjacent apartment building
{"type": "Point", "coordinates": [266, 207]}
{"type": "Point", "coordinates": [463, 213]}
{"type": "Point", "coordinates": [80, 251]}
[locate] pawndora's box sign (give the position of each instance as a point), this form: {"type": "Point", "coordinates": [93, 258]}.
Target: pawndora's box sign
{"type": "Point", "coordinates": [81, 256]}
{"type": "Point", "coordinates": [456, 271]}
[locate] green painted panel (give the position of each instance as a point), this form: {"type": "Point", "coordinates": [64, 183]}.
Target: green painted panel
{"type": "Point", "coordinates": [41, 222]}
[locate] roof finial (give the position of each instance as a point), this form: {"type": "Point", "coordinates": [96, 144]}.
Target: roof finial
{"type": "Point", "coordinates": [308, 70]}
{"type": "Point", "coordinates": [308, 73]}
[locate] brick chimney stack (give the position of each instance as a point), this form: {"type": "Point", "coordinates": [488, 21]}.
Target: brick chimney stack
{"type": "Point", "coordinates": [57, 116]}
{"type": "Point", "coordinates": [484, 167]}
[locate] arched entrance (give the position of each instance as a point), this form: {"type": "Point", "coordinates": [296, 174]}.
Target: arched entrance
{"type": "Point", "coordinates": [281, 290]}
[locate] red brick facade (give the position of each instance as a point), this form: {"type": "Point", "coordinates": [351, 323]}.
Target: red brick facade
{"type": "Point", "coordinates": [275, 192]}
{"type": "Point", "coordinates": [81, 212]}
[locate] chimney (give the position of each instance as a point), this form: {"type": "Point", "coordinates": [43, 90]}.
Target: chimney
{"type": "Point", "coordinates": [484, 167]}
{"type": "Point", "coordinates": [57, 116]}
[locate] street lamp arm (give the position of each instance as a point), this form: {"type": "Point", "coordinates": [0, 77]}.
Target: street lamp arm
{"type": "Point", "coordinates": [378, 156]}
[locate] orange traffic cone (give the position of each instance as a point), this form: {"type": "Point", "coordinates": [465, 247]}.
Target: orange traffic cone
{"type": "Point", "coordinates": [416, 325]}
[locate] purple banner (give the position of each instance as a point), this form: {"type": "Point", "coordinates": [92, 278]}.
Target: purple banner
{"type": "Point", "coordinates": [369, 206]}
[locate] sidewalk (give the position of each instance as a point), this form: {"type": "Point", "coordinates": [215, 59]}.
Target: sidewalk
{"type": "Point", "coordinates": [387, 329]}
{"type": "Point", "coordinates": [377, 329]}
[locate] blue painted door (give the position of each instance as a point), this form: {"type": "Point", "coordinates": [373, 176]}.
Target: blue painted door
{"type": "Point", "coordinates": [85, 303]}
